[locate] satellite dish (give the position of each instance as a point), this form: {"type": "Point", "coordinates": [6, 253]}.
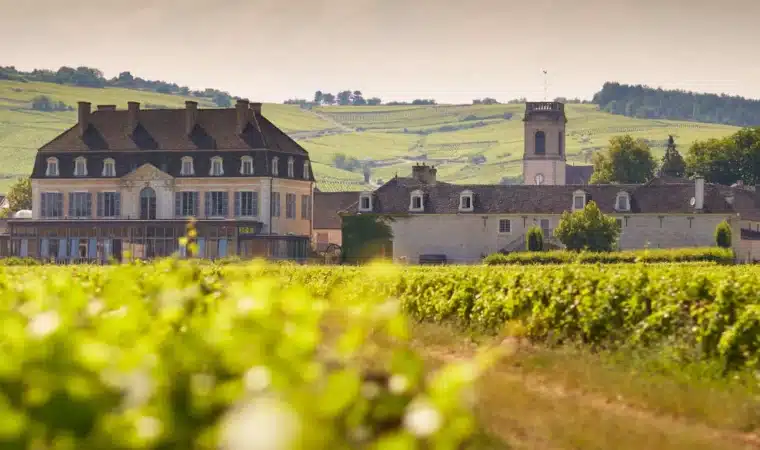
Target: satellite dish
{"type": "Point", "coordinates": [693, 201]}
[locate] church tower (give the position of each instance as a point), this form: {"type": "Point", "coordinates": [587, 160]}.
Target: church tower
{"type": "Point", "coordinates": [544, 159]}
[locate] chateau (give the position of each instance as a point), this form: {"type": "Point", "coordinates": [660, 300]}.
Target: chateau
{"type": "Point", "coordinates": [125, 182]}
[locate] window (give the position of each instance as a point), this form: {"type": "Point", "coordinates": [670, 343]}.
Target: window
{"type": "Point", "coordinates": [186, 204]}
{"type": "Point", "coordinates": [187, 166]}
{"type": "Point", "coordinates": [465, 201]}
{"type": "Point", "coordinates": [505, 226]}
{"type": "Point", "coordinates": [560, 140]}
{"type": "Point", "coordinates": [275, 204]}
{"type": "Point", "coordinates": [622, 202]}
{"type": "Point", "coordinates": [365, 202]}
{"type": "Point", "coordinates": [619, 223]}
{"type": "Point", "coordinates": [306, 170]}
{"type": "Point", "coordinates": [109, 204]}
{"type": "Point", "coordinates": [291, 167]}
{"type": "Point", "coordinates": [246, 165]}
{"type": "Point", "coordinates": [539, 179]}
{"type": "Point", "coordinates": [80, 204]}
{"type": "Point", "coordinates": [416, 203]}
{"type": "Point", "coordinates": [147, 204]}
{"type": "Point", "coordinates": [540, 143]}
{"type": "Point", "coordinates": [51, 204]}
{"type": "Point", "coordinates": [247, 204]}
{"type": "Point", "coordinates": [545, 227]}
{"type": "Point", "coordinates": [109, 167]}
{"type": "Point", "coordinates": [275, 166]}
{"type": "Point", "coordinates": [306, 207]}
{"type": "Point", "coordinates": [290, 206]}
{"type": "Point", "coordinates": [579, 201]}
{"type": "Point", "coordinates": [216, 166]}
{"type": "Point", "coordinates": [80, 167]}
{"type": "Point", "coordinates": [52, 167]}
{"type": "Point", "coordinates": [216, 204]}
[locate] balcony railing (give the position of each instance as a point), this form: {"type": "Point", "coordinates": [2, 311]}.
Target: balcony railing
{"type": "Point", "coordinates": [544, 106]}
{"type": "Point", "coordinates": [138, 218]}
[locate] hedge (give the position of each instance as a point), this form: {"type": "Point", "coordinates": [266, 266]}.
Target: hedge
{"type": "Point", "coordinates": [703, 254]}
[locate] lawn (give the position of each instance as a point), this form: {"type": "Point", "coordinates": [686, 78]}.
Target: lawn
{"type": "Point", "coordinates": [449, 136]}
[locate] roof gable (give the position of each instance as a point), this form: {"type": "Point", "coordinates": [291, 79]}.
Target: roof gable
{"type": "Point", "coordinates": [147, 172]}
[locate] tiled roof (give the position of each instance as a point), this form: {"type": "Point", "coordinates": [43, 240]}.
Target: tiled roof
{"type": "Point", "coordinates": [328, 204]}
{"type": "Point", "coordinates": [164, 129]}
{"type": "Point", "coordinates": [443, 198]}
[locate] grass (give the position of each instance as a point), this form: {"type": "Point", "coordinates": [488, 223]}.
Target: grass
{"type": "Point", "coordinates": [570, 398]}
{"type": "Point", "coordinates": [387, 135]}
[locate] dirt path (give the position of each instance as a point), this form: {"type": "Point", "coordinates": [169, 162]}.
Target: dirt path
{"type": "Point", "coordinates": [553, 390]}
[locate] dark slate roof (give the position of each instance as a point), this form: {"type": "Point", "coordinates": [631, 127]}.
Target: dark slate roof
{"type": "Point", "coordinates": [745, 203]}
{"type": "Point", "coordinates": [328, 204]}
{"type": "Point", "coordinates": [164, 129]}
{"type": "Point", "coordinates": [578, 174]}
{"type": "Point", "coordinates": [171, 163]}
{"type": "Point", "coordinates": [443, 198]}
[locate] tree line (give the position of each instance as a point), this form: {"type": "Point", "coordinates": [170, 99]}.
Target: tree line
{"type": "Point", "coordinates": [734, 158]}
{"type": "Point", "coordinates": [649, 103]}
{"type": "Point", "coordinates": [91, 77]}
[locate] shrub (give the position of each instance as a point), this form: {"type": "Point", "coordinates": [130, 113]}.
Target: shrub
{"type": "Point", "coordinates": [723, 235]}
{"type": "Point", "coordinates": [706, 254]}
{"type": "Point", "coordinates": [534, 239]}
{"type": "Point", "coordinates": [587, 229]}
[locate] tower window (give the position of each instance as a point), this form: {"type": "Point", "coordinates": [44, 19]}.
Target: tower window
{"type": "Point", "coordinates": [561, 142]}
{"type": "Point", "coordinates": [540, 143]}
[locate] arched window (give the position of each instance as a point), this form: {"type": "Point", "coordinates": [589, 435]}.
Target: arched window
{"type": "Point", "coordinates": [216, 166]}
{"type": "Point", "coordinates": [80, 167]}
{"type": "Point", "coordinates": [187, 166]}
{"type": "Point", "coordinates": [561, 140]}
{"type": "Point", "coordinates": [109, 167]}
{"type": "Point", "coordinates": [52, 167]}
{"type": "Point", "coordinates": [306, 171]}
{"type": "Point", "coordinates": [246, 165]}
{"type": "Point", "coordinates": [416, 202]}
{"type": "Point", "coordinates": [147, 204]}
{"type": "Point", "coordinates": [275, 166]}
{"type": "Point", "coordinates": [291, 167]}
{"type": "Point", "coordinates": [540, 143]}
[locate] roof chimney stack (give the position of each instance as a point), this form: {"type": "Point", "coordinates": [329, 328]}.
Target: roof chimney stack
{"type": "Point", "coordinates": [424, 174]}
{"type": "Point", "coordinates": [243, 115]}
{"type": "Point", "coordinates": [84, 117]}
{"type": "Point", "coordinates": [699, 193]}
{"type": "Point", "coordinates": [256, 107]}
{"type": "Point", "coordinates": [191, 116]}
{"type": "Point", "coordinates": [132, 116]}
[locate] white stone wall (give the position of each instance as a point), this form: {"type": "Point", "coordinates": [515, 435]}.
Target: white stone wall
{"type": "Point", "coordinates": [464, 238]}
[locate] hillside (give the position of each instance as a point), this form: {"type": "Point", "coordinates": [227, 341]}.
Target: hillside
{"type": "Point", "coordinates": [469, 144]}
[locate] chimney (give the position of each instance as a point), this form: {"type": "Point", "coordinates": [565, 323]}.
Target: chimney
{"type": "Point", "coordinates": [243, 115]}
{"type": "Point", "coordinates": [191, 116]}
{"type": "Point", "coordinates": [256, 107]}
{"type": "Point", "coordinates": [106, 107]}
{"type": "Point", "coordinates": [132, 116]}
{"type": "Point", "coordinates": [699, 193]}
{"type": "Point", "coordinates": [84, 117]}
{"type": "Point", "coordinates": [424, 174]}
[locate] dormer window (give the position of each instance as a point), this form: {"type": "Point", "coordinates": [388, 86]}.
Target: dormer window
{"type": "Point", "coordinates": [623, 202]}
{"type": "Point", "coordinates": [246, 165]}
{"type": "Point", "coordinates": [415, 202]}
{"type": "Point", "coordinates": [365, 202]}
{"type": "Point", "coordinates": [306, 171]}
{"type": "Point", "coordinates": [275, 166]}
{"type": "Point", "coordinates": [187, 166]}
{"type": "Point", "coordinates": [291, 167]}
{"type": "Point", "coordinates": [216, 166]}
{"type": "Point", "coordinates": [466, 201]}
{"type": "Point", "coordinates": [80, 167]}
{"type": "Point", "coordinates": [109, 167]}
{"type": "Point", "coordinates": [52, 167]}
{"type": "Point", "coordinates": [579, 200]}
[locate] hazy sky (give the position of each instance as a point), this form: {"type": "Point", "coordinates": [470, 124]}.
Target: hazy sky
{"type": "Point", "coordinates": [453, 51]}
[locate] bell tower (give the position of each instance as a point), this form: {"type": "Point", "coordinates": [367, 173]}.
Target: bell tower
{"type": "Point", "coordinates": [544, 159]}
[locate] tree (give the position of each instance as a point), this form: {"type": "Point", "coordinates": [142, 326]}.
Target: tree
{"type": "Point", "coordinates": [672, 162]}
{"type": "Point", "coordinates": [627, 160]}
{"type": "Point", "coordinates": [727, 160]}
{"type": "Point", "coordinates": [20, 196]}
{"type": "Point", "coordinates": [723, 235]}
{"type": "Point", "coordinates": [587, 229]}
{"type": "Point", "coordinates": [328, 98]}
{"type": "Point", "coordinates": [344, 98]}
{"type": "Point", "coordinates": [534, 239]}
{"type": "Point", "coordinates": [374, 101]}
{"type": "Point", "coordinates": [318, 97]}
{"type": "Point", "coordinates": [358, 99]}
{"type": "Point", "coordinates": [365, 236]}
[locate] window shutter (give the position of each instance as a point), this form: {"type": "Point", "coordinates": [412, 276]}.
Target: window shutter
{"type": "Point", "coordinates": [43, 200]}
{"type": "Point", "coordinates": [44, 248]}
{"type": "Point", "coordinates": [62, 249]}
{"type": "Point", "coordinates": [225, 198]}
{"type": "Point", "coordinates": [237, 204]}
{"type": "Point", "coordinates": [74, 253]}
{"type": "Point", "coordinates": [178, 204]}
{"type": "Point", "coordinates": [196, 204]}
{"type": "Point", "coordinates": [71, 204]}
{"type": "Point", "coordinates": [88, 209]}
{"type": "Point", "coordinates": [207, 204]}
{"type": "Point", "coordinates": [117, 204]}
{"type": "Point", "coordinates": [100, 204]}
{"type": "Point", "coordinates": [255, 203]}
{"type": "Point", "coordinates": [92, 249]}
{"type": "Point", "coordinates": [59, 204]}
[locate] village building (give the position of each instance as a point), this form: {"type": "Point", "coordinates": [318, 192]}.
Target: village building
{"type": "Point", "coordinates": [439, 221]}
{"type": "Point", "coordinates": [125, 182]}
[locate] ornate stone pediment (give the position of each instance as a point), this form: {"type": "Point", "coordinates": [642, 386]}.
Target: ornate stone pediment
{"type": "Point", "coordinates": [146, 175]}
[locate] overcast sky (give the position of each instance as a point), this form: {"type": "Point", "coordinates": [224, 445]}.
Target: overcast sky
{"type": "Point", "coordinates": [453, 51]}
